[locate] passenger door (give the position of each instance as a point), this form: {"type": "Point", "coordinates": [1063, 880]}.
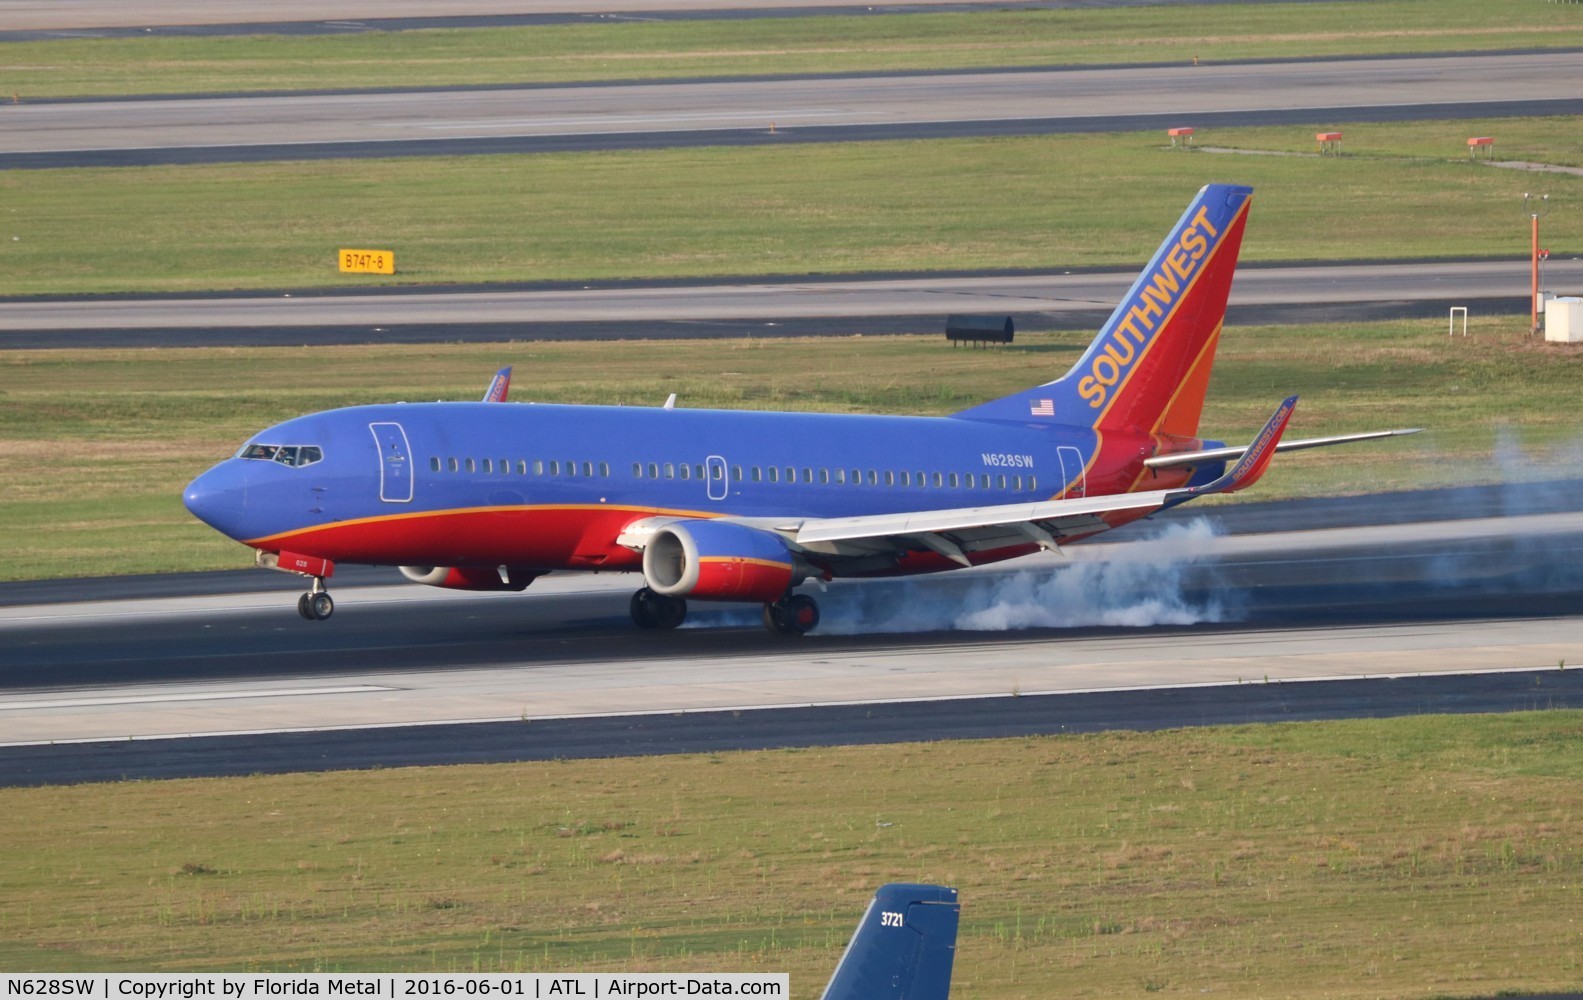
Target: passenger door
{"type": "Point", "coordinates": [1072, 471]}
{"type": "Point", "coordinates": [395, 462]}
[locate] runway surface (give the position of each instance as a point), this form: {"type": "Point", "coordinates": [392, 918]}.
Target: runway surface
{"type": "Point", "coordinates": [801, 109]}
{"type": "Point", "coordinates": [1473, 614]}
{"type": "Point", "coordinates": [763, 307]}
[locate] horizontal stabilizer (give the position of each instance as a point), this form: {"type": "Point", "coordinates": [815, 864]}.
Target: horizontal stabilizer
{"type": "Point", "coordinates": [910, 529]}
{"type": "Point", "coordinates": [1178, 459]}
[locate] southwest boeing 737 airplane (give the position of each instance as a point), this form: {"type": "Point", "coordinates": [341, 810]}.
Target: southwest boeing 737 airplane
{"type": "Point", "coordinates": [729, 505]}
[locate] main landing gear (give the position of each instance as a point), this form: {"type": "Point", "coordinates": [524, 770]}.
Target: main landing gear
{"type": "Point", "coordinates": [793, 614]}
{"type": "Point", "coordinates": [316, 605]}
{"type": "Point", "coordinates": [651, 610]}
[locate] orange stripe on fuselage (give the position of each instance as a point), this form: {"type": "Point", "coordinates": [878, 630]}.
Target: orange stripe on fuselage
{"type": "Point", "coordinates": [571, 536]}
{"type": "Point", "coordinates": [265, 541]}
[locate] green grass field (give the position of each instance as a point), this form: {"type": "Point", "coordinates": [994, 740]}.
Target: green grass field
{"type": "Point", "coordinates": [95, 446]}
{"type": "Point", "coordinates": [1434, 856]}
{"type": "Point", "coordinates": [1044, 201]}
{"type": "Point", "coordinates": [637, 50]}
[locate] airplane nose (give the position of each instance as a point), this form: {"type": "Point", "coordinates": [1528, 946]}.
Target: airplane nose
{"type": "Point", "coordinates": [216, 498]}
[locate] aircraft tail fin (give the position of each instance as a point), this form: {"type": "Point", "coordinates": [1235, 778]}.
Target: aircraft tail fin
{"type": "Point", "coordinates": [903, 947]}
{"type": "Point", "coordinates": [499, 386]}
{"type": "Point", "coordinates": [1148, 368]}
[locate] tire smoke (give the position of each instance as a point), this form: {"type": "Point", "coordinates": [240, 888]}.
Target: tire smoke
{"type": "Point", "coordinates": [1132, 584]}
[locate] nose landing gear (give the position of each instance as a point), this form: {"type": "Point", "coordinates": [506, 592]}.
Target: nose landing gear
{"type": "Point", "coordinates": [316, 605]}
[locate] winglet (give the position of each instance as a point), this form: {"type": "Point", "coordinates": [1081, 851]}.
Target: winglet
{"type": "Point", "coordinates": [1253, 461]}
{"type": "Point", "coordinates": [499, 386]}
{"type": "Point", "coordinates": [903, 947]}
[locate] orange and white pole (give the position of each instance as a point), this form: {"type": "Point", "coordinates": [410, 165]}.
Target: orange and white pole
{"type": "Point", "coordinates": [1535, 205]}
{"type": "Point", "coordinates": [1533, 295]}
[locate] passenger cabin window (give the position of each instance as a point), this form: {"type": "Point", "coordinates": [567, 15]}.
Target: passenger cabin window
{"type": "Point", "coordinates": [775, 474]}
{"type": "Point", "coordinates": [604, 469]}
{"type": "Point", "coordinates": [637, 470]}
{"type": "Point", "coordinates": [686, 472]}
{"type": "Point", "coordinates": [434, 465]}
{"type": "Point", "coordinates": [489, 465]}
{"type": "Point", "coordinates": [472, 466]}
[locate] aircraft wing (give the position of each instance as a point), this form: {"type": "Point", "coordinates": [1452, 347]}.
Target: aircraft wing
{"type": "Point", "coordinates": [1045, 523]}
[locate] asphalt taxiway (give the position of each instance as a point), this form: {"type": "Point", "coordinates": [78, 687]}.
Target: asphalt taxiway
{"type": "Point", "coordinates": [763, 307]}
{"type": "Point", "coordinates": [843, 107]}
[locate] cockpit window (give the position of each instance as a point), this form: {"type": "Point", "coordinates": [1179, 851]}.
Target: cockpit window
{"type": "Point", "coordinates": [294, 455]}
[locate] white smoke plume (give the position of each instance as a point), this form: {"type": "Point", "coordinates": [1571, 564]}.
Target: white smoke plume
{"type": "Point", "coordinates": [1133, 584]}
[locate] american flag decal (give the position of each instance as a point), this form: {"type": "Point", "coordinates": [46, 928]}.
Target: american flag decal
{"type": "Point", "coordinates": [1042, 407]}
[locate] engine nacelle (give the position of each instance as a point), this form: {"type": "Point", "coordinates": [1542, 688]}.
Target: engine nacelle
{"type": "Point", "coordinates": [716, 560]}
{"type": "Point", "coordinates": [470, 577]}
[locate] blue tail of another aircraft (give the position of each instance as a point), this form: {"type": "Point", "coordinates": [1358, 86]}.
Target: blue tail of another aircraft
{"type": "Point", "coordinates": [903, 947]}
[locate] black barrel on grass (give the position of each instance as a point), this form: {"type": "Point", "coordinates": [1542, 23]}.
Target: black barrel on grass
{"type": "Point", "coordinates": [979, 329]}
